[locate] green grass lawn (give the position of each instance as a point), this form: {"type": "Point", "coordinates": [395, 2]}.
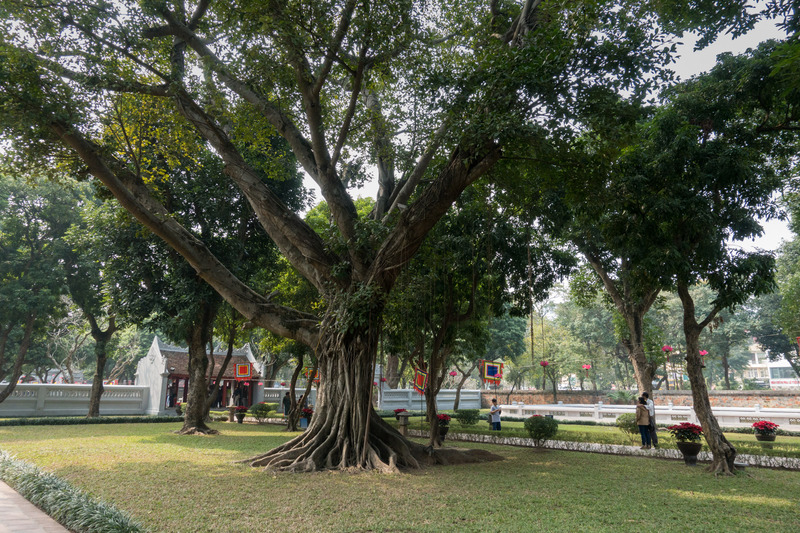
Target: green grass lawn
{"type": "Point", "coordinates": [181, 483]}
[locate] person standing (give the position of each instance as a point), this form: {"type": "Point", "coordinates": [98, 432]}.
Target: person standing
{"type": "Point", "coordinates": [643, 421]}
{"type": "Point", "coordinates": [495, 412]}
{"type": "Point", "coordinates": [651, 410]}
{"type": "Point", "coordinates": [287, 404]}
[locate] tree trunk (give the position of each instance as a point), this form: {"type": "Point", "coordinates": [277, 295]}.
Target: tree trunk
{"type": "Point", "coordinates": [723, 452]}
{"type": "Point", "coordinates": [101, 339]}
{"type": "Point", "coordinates": [293, 418]}
{"type": "Point", "coordinates": [215, 388]}
{"type": "Point", "coordinates": [392, 370]}
{"type": "Point", "coordinates": [643, 369]}
{"type": "Point", "coordinates": [195, 414]}
{"type": "Point", "coordinates": [16, 371]}
{"type": "Point", "coordinates": [337, 436]}
{"type": "Point", "coordinates": [726, 369]}
{"type": "Point", "coordinates": [464, 378]}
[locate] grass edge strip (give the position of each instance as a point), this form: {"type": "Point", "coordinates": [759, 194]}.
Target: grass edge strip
{"type": "Point", "coordinates": [71, 507]}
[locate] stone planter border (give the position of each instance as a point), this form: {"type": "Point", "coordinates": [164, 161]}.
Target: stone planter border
{"type": "Point", "coordinates": [787, 463]}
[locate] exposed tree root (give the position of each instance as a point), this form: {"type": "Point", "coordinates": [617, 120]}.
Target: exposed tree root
{"type": "Point", "coordinates": [720, 467]}
{"type": "Point", "coordinates": [387, 451]}
{"type": "Point", "coordinates": [197, 431]}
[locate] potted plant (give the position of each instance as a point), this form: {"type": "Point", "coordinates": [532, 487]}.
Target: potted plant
{"type": "Point", "coordinates": [305, 417]}
{"type": "Point", "coordinates": [397, 413]}
{"type": "Point", "coordinates": [444, 425]}
{"type": "Point", "coordinates": [765, 430]}
{"type": "Point", "coordinates": [178, 408]}
{"type": "Point", "coordinates": [240, 412]}
{"type": "Point", "coordinates": [688, 437]}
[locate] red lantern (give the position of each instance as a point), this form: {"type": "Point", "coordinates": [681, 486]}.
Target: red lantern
{"type": "Point", "coordinates": [453, 373]}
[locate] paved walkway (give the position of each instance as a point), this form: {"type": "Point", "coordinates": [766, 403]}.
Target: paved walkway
{"type": "Point", "coordinates": [18, 515]}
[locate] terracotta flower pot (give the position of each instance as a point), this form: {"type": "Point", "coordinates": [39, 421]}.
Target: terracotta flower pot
{"type": "Point", "coordinates": [690, 451]}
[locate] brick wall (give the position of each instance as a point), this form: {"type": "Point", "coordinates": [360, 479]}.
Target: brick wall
{"type": "Point", "coordinates": [734, 398]}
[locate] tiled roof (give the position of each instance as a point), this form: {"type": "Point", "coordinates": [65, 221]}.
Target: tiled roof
{"type": "Point", "coordinates": [179, 360]}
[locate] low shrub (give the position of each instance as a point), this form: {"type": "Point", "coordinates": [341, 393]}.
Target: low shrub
{"type": "Point", "coordinates": [69, 506]}
{"type": "Point", "coordinates": [627, 424]}
{"type": "Point", "coordinates": [80, 420]}
{"type": "Point", "coordinates": [541, 429]}
{"type": "Point", "coordinates": [467, 417]}
{"type": "Point", "coordinates": [260, 411]}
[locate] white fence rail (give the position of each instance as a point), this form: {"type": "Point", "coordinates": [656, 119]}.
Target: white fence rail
{"type": "Point", "coordinates": [732, 417]}
{"type": "Point", "coordinates": [410, 399]}
{"type": "Point", "coordinates": [45, 399]}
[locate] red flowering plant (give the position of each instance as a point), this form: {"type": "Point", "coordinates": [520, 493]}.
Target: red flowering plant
{"type": "Point", "coordinates": [444, 420]}
{"type": "Point", "coordinates": [307, 412]}
{"type": "Point", "coordinates": [241, 409]}
{"type": "Point", "coordinates": [765, 427]}
{"type": "Point", "coordinates": [398, 411]}
{"type": "Point", "coordinates": [686, 432]}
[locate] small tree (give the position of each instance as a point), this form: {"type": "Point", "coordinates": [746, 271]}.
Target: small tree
{"type": "Point", "coordinates": [541, 429]}
{"type": "Point", "coordinates": [626, 423]}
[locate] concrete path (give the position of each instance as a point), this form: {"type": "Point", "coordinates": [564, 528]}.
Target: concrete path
{"type": "Point", "coordinates": [18, 515]}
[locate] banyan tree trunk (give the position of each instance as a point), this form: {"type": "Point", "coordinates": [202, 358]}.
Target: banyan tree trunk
{"type": "Point", "coordinates": [723, 452]}
{"type": "Point", "coordinates": [339, 435]}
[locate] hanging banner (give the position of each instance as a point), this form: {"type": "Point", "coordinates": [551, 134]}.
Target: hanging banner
{"type": "Point", "coordinates": [307, 373]}
{"type": "Point", "coordinates": [420, 380]}
{"type": "Point", "coordinates": [492, 371]}
{"type": "Point", "coordinates": [242, 371]}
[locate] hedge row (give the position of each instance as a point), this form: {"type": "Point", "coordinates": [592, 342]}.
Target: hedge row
{"type": "Point", "coordinates": [78, 420]}
{"type": "Point", "coordinates": [69, 506]}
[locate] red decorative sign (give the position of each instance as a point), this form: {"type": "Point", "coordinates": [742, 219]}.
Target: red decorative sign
{"type": "Point", "coordinates": [492, 372]}
{"type": "Point", "coordinates": [420, 380]}
{"type": "Point", "coordinates": [243, 371]}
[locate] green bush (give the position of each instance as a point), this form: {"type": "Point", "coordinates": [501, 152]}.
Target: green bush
{"type": "Point", "coordinates": [541, 428]}
{"type": "Point", "coordinates": [622, 397]}
{"type": "Point", "coordinates": [81, 420]}
{"type": "Point", "coordinates": [467, 417]}
{"type": "Point", "coordinates": [627, 424]}
{"type": "Point", "coordinates": [260, 411]}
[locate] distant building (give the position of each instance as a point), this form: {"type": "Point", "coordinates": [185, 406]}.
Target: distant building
{"type": "Point", "coordinates": [775, 375]}
{"type": "Point", "coordinates": [165, 370]}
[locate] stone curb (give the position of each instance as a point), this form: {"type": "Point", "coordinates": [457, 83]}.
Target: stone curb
{"type": "Point", "coordinates": [787, 463]}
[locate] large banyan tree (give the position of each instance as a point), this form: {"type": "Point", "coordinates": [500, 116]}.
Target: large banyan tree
{"type": "Point", "coordinates": [424, 97]}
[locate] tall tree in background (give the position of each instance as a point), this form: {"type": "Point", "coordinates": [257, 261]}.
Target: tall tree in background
{"type": "Point", "coordinates": [339, 81]}
{"type": "Point", "coordinates": [33, 220]}
{"type": "Point", "coordinates": [710, 165]}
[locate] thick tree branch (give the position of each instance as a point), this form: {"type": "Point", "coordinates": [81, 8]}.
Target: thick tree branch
{"type": "Point", "coordinates": [402, 194]}
{"type": "Point", "coordinates": [301, 245]}
{"type": "Point", "coordinates": [466, 166]}
{"type": "Point", "coordinates": [134, 197]}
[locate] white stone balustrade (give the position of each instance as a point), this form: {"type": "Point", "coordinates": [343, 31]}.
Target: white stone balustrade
{"type": "Point", "coordinates": [731, 417]}
{"type": "Point", "coordinates": [47, 399]}
{"type": "Point", "coordinates": [391, 399]}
